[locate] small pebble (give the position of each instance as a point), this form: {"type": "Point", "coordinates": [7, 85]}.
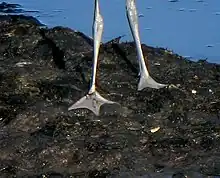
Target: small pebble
{"type": "Point", "coordinates": [155, 129]}
{"type": "Point", "coordinates": [194, 91]}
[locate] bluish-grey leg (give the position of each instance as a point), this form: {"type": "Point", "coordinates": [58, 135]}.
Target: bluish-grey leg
{"type": "Point", "coordinates": [145, 79]}
{"type": "Point", "coordinates": [93, 100]}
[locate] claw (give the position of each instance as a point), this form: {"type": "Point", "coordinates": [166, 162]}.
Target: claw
{"type": "Point", "coordinates": [148, 81]}
{"type": "Point", "coordinates": [92, 101]}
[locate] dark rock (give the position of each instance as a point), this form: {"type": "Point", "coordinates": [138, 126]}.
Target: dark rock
{"type": "Point", "coordinates": [8, 8]}
{"type": "Point", "coordinates": [156, 133]}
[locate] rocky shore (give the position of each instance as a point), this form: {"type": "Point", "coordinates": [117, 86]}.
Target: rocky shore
{"type": "Point", "coordinates": [171, 132]}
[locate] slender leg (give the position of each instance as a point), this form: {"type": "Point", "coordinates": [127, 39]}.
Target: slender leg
{"type": "Point", "coordinates": [93, 100]}
{"type": "Point", "coordinates": [145, 79]}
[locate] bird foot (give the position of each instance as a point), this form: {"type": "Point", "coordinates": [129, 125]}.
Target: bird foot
{"type": "Point", "coordinates": [148, 81]}
{"type": "Point", "coordinates": [92, 101]}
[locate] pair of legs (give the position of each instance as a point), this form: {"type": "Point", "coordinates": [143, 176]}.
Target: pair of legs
{"type": "Point", "coordinates": [93, 100]}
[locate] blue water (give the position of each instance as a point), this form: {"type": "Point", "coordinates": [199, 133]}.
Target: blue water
{"type": "Point", "coordinates": [188, 27]}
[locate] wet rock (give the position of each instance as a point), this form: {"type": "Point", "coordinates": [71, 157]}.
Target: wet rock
{"type": "Point", "coordinates": [9, 8]}
{"type": "Point", "coordinates": [171, 132]}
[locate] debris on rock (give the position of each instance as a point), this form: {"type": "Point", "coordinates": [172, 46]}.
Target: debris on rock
{"type": "Point", "coordinates": [153, 130]}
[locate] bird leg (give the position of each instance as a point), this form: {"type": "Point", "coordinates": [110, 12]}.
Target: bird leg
{"type": "Point", "coordinates": [145, 79]}
{"type": "Point", "coordinates": [93, 100]}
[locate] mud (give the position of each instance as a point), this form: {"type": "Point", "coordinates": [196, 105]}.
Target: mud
{"type": "Point", "coordinates": [171, 132]}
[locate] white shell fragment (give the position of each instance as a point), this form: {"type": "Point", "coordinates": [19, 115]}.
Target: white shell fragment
{"type": "Point", "coordinates": [157, 64]}
{"type": "Point", "coordinates": [210, 90]}
{"type": "Point", "coordinates": [153, 130]}
{"type": "Point", "coordinates": [196, 77]}
{"type": "Point", "coordinates": [22, 64]}
{"type": "Point", "coordinates": [194, 91]}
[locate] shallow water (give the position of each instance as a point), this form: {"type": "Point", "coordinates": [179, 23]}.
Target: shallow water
{"type": "Point", "coordinates": [189, 28]}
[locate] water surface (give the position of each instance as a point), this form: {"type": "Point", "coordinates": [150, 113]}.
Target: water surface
{"type": "Point", "coordinates": [188, 27]}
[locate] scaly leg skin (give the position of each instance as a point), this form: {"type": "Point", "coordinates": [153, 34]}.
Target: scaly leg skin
{"type": "Point", "coordinates": [93, 100]}
{"type": "Point", "coordinates": [145, 79]}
